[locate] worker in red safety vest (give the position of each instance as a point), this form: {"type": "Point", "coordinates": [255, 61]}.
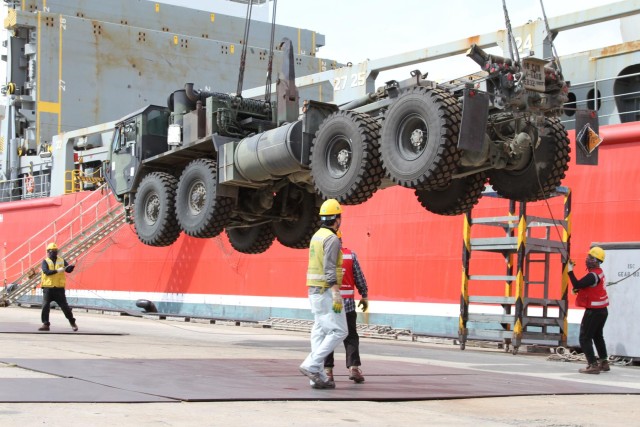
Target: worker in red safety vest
{"type": "Point", "coordinates": [592, 295]}
{"type": "Point", "coordinates": [352, 278]}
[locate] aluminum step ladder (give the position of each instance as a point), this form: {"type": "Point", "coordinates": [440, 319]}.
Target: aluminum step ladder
{"type": "Point", "coordinates": [525, 308]}
{"type": "Point", "coordinates": [76, 232]}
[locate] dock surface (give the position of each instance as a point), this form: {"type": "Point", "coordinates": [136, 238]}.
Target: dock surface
{"type": "Point", "coordinates": [143, 371]}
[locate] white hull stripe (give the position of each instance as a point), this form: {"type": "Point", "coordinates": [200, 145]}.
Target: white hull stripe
{"type": "Point", "coordinates": [378, 307]}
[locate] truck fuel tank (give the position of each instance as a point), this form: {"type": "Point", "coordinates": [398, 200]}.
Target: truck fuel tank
{"type": "Point", "coordinates": [271, 154]}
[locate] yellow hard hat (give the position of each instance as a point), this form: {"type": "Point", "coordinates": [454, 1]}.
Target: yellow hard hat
{"type": "Point", "coordinates": [597, 252]}
{"type": "Point", "coordinates": [52, 247]}
{"type": "Point", "coordinates": [330, 207]}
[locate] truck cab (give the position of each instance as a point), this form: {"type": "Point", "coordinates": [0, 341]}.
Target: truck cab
{"type": "Point", "coordinates": [138, 136]}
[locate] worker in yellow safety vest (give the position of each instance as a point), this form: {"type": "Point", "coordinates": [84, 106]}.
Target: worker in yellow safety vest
{"type": "Point", "coordinates": [324, 278]}
{"type": "Point", "coordinates": [54, 268]}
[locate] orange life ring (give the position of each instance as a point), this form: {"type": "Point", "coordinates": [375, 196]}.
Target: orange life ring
{"type": "Point", "coordinates": [29, 184]}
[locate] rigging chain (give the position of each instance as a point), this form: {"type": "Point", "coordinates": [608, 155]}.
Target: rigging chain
{"type": "Point", "coordinates": [267, 93]}
{"type": "Point", "coordinates": [245, 43]}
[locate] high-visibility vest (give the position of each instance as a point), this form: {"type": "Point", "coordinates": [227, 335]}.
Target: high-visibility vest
{"type": "Point", "coordinates": [595, 296]}
{"type": "Point", "coordinates": [315, 271]}
{"type": "Point", "coordinates": [347, 290]}
{"type": "Point", "coordinates": [57, 280]}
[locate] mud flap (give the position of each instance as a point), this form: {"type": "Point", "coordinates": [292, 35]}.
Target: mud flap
{"type": "Point", "coordinates": [587, 139]}
{"type": "Point", "coordinates": [475, 113]}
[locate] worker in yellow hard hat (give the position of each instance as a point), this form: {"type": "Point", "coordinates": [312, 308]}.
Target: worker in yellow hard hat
{"type": "Point", "coordinates": [352, 279]}
{"type": "Point", "coordinates": [54, 268]}
{"type": "Point", "coordinates": [592, 295]}
{"type": "Point", "coordinates": [324, 278]}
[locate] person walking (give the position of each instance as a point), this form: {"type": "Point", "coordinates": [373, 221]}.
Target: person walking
{"type": "Point", "coordinates": [352, 278]}
{"type": "Point", "coordinates": [54, 269]}
{"type": "Point", "coordinates": [324, 276]}
{"type": "Point", "coordinates": [592, 295]}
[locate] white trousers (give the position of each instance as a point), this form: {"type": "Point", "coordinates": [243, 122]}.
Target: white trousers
{"type": "Point", "coordinates": [329, 331]}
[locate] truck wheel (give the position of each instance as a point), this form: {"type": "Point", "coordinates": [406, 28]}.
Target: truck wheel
{"type": "Point", "coordinates": [200, 213]}
{"type": "Point", "coordinates": [419, 138]}
{"type": "Point", "coordinates": [251, 240]}
{"type": "Point", "coordinates": [154, 214]}
{"type": "Point", "coordinates": [457, 198]}
{"type": "Point", "coordinates": [297, 233]}
{"type": "Point", "coordinates": [345, 163]}
{"type": "Point", "coordinates": [544, 171]}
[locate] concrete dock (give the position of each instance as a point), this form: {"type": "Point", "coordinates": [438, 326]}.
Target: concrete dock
{"type": "Point", "coordinates": [127, 370]}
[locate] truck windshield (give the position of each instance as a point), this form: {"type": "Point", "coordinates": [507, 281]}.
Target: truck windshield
{"type": "Point", "coordinates": [116, 144]}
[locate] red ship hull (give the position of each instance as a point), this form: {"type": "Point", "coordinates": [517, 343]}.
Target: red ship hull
{"type": "Point", "coordinates": [411, 258]}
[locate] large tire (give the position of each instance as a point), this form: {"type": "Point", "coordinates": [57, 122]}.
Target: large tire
{"type": "Point", "coordinates": [544, 171]}
{"type": "Point", "coordinates": [200, 213]}
{"type": "Point", "coordinates": [297, 234]}
{"type": "Point", "coordinates": [419, 138]}
{"type": "Point", "coordinates": [457, 198]}
{"type": "Point", "coordinates": [154, 210]}
{"type": "Point", "coordinates": [345, 162]}
{"type": "Point", "coordinates": [251, 240]}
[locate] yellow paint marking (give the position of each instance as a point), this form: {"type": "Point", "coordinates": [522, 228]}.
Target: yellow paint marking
{"type": "Point", "coordinates": [48, 107]}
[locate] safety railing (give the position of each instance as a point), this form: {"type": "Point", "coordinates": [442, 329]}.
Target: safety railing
{"type": "Point", "coordinates": [595, 101]}
{"type": "Point", "coordinates": [77, 180]}
{"type": "Point", "coordinates": [75, 232]}
{"type": "Point", "coordinates": [26, 187]}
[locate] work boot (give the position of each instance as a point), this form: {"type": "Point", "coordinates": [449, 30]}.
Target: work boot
{"type": "Point", "coordinates": [590, 369]}
{"type": "Point", "coordinates": [329, 372]}
{"type": "Point", "coordinates": [329, 383]}
{"type": "Point", "coordinates": [313, 376]}
{"type": "Point", "coordinates": [74, 326]}
{"type": "Point", "coordinates": [355, 374]}
{"type": "Point", "coordinates": [44, 327]}
{"type": "Point", "coordinates": [604, 366]}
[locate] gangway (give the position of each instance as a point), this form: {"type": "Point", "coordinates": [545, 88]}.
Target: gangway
{"type": "Point", "coordinates": [76, 232]}
{"type": "Point", "coordinates": [525, 309]}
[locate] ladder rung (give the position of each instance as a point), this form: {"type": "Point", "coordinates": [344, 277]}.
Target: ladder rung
{"type": "Point", "coordinates": [544, 302]}
{"type": "Point", "coordinates": [491, 318]}
{"type": "Point", "coordinates": [491, 300]}
{"type": "Point", "coordinates": [541, 321]}
{"type": "Point", "coordinates": [487, 277]}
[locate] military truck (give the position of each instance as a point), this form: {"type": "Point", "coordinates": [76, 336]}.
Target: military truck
{"type": "Point", "coordinates": [259, 169]}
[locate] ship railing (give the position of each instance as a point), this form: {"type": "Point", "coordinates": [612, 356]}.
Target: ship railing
{"type": "Point", "coordinates": [26, 187]}
{"type": "Point", "coordinates": [77, 180]}
{"type": "Point", "coordinates": [594, 101]}
{"type": "Point", "coordinates": [75, 232]}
